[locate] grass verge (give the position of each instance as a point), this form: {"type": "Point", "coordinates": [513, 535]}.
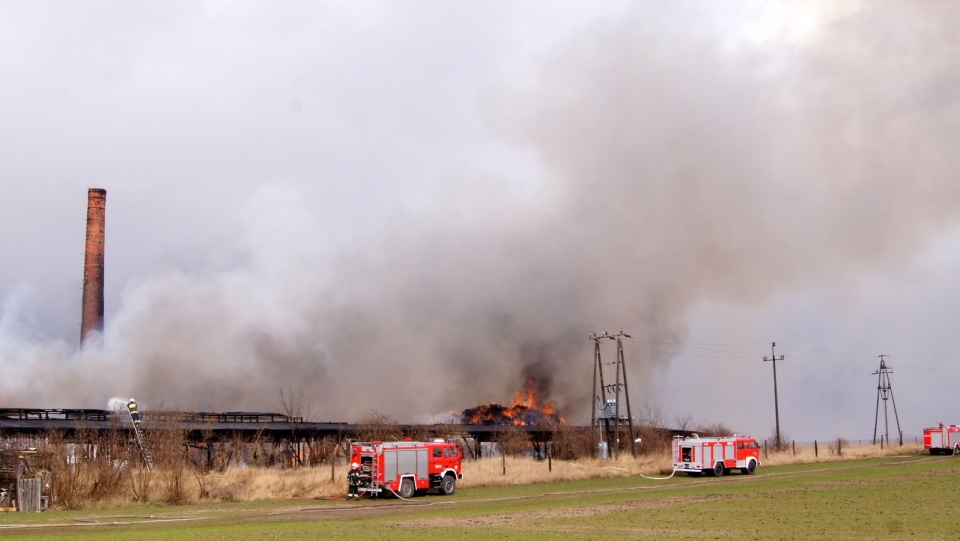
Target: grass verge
{"type": "Point", "coordinates": [891, 497]}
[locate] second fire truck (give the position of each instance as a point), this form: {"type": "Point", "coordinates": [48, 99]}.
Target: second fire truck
{"type": "Point", "coordinates": [942, 440]}
{"type": "Point", "coordinates": [407, 468]}
{"type": "Point", "coordinates": [715, 456]}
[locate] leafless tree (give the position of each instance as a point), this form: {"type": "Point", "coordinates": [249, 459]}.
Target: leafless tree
{"type": "Point", "coordinates": [512, 442]}
{"type": "Point", "coordinates": [715, 429]}
{"type": "Point", "coordinates": [378, 427]}
{"type": "Point", "coordinates": [297, 406]}
{"type": "Point", "coordinates": [651, 414]}
{"type": "Point", "coordinates": [571, 443]}
{"type": "Point", "coordinates": [682, 422]}
{"type": "Point", "coordinates": [207, 459]}
{"type": "Point", "coordinates": [166, 440]}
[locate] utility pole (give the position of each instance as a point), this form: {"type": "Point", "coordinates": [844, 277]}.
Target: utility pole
{"type": "Point", "coordinates": [622, 369]}
{"type": "Point", "coordinates": [885, 391]}
{"type": "Point", "coordinates": [601, 398]}
{"type": "Point", "coordinates": [776, 401]}
{"type": "Point", "coordinates": [608, 414]}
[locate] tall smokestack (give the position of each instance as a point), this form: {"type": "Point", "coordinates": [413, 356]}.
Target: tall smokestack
{"type": "Point", "coordinates": [92, 310]}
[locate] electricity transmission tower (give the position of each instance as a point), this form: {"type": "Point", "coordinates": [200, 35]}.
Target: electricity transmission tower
{"type": "Point", "coordinates": [607, 411]}
{"type": "Point", "coordinates": [776, 401]}
{"type": "Point", "coordinates": [885, 392]}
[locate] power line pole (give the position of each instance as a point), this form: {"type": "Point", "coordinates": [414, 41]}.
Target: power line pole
{"type": "Point", "coordinates": [600, 393]}
{"type": "Point", "coordinates": [885, 391]}
{"type": "Point", "coordinates": [776, 401]}
{"type": "Point", "coordinates": [608, 414]}
{"type": "Point", "coordinates": [622, 369]}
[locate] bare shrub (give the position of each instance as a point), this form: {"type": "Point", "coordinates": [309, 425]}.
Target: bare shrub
{"type": "Point", "coordinates": [326, 451]}
{"type": "Point", "coordinates": [838, 445]}
{"type": "Point", "coordinates": [447, 430]}
{"type": "Point", "coordinates": [85, 466]}
{"type": "Point", "coordinates": [378, 427]}
{"type": "Point", "coordinates": [166, 440]}
{"type": "Point", "coordinates": [419, 433]}
{"type": "Point", "coordinates": [107, 464]}
{"type": "Point", "coordinates": [205, 457]}
{"type": "Point", "coordinates": [572, 443]}
{"type": "Point", "coordinates": [653, 440]}
{"type": "Point", "coordinates": [717, 429]}
{"type": "Point", "coordinates": [513, 442]}
{"type": "Point", "coordinates": [651, 414]}
{"type": "Point", "coordinates": [322, 450]}
{"type": "Point", "coordinates": [67, 487]}
{"type": "Point", "coordinates": [297, 406]}
{"type": "Point", "coordinates": [785, 441]}
{"type": "Point", "coordinates": [682, 422]}
{"type": "Point", "coordinates": [250, 452]}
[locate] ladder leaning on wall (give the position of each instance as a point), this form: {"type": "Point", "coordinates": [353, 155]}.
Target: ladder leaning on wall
{"type": "Point", "coordinates": [147, 457]}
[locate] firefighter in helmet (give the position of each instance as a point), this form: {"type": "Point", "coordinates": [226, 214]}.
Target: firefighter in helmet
{"type": "Point", "coordinates": [134, 414]}
{"type": "Point", "coordinates": [353, 481]}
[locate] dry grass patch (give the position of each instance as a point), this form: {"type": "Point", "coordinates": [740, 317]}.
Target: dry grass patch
{"type": "Point", "coordinates": [489, 472]}
{"type": "Point", "coordinates": [832, 452]}
{"type": "Point", "coordinates": [262, 483]}
{"type": "Point", "coordinates": [249, 484]}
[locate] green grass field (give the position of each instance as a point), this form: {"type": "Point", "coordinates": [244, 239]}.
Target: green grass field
{"type": "Point", "coordinates": [881, 498]}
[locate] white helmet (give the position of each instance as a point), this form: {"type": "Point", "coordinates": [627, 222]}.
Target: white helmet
{"type": "Point", "coordinates": [355, 465]}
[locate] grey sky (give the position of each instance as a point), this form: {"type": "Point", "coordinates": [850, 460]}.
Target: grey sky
{"type": "Point", "coordinates": [432, 201]}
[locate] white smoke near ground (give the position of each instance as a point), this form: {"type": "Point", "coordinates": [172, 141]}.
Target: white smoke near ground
{"type": "Point", "coordinates": [681, 162]}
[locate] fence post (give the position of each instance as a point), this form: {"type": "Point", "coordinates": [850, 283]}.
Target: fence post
{"type": "Point", "coordinates": [793, 444]}
{"type": "Point", "coordinates": [815, 453]}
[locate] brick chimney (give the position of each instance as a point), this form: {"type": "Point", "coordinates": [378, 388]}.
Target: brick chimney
{"type": "Point", "coordinates": [92, 310]}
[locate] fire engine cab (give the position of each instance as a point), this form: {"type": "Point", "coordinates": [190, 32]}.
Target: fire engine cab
{"type": "Point", "coordinates": [407, 468]}
{"type": "Point", "coordinates": [715, 456]}
{"type": "Point", "coordinates": [942, 440]}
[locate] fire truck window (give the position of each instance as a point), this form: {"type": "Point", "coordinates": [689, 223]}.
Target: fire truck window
{"type": "Point", "coordinates": [739, 445]}
{"type": "Point", "coordinates": [437, 452]}
{"type": "Point", "coordinates": [450, 452]}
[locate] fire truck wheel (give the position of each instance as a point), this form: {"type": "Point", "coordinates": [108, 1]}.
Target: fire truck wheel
{"type": "Point", "coordinates": [449, 485]}
{"type": "Point", "coordinates": [407, 489]}
{"type": "Point", "coordinates": [718, 469]}
{"type": "Point", "coordinates": [751, 467]}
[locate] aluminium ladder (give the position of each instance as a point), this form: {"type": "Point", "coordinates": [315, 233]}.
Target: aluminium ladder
{"type": "Point", "coordinates": [145, 452]}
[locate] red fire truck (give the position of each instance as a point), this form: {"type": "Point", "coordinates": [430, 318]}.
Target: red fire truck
{"type": "Point", "coordinates": [695, 455]}
{"type": "Point", "coordinates": [942, 440]}
{"type": "Point", "coordinates": [407, 468]}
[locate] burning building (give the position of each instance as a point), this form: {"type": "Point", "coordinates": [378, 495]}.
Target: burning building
{"type": "Point", "coordinates": [523, 411]}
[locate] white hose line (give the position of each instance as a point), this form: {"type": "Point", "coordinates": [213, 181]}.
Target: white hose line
{"type": "Point", "coordinates": [660, 478]}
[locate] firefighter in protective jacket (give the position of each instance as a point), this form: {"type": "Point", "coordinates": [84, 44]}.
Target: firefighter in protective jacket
{"type": "Point", "coordinates": [353, 481]}
{"type": "Point", "coordinates": [134, 413]}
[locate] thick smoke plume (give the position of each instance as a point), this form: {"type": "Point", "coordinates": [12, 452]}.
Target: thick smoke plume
{"type": "Point", "coordinates": [681, 161]}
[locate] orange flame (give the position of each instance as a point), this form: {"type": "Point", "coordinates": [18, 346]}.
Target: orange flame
{"type": "Point", "coordinates": [523, 411]}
